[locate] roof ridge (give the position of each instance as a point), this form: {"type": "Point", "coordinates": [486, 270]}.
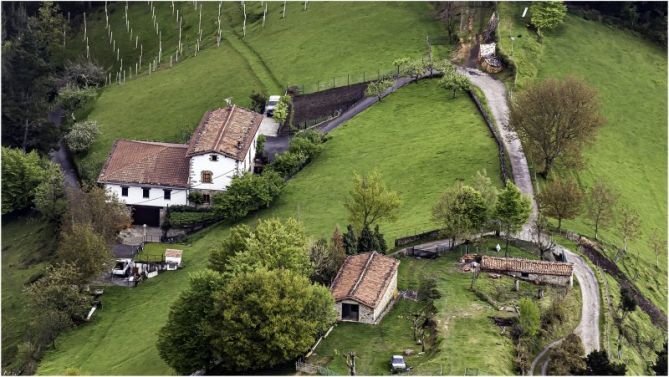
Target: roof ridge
{"type": "Point", "coordinates": [351, 292]}
{"type": "Point", "coordinates": [222, 130]}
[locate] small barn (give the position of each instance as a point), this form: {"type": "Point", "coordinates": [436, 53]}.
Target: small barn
{"type": "Point", "coordinates": [364, 287]}
{"type": "Point", "coordinates": [536, 271]}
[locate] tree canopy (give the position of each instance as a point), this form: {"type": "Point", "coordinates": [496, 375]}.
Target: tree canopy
{"type": "Point", "coordinates": [555, 119]}
{"type": "Point", "coordinates": [370, 201]}
{"type": "Point", "coordinates": [86, 249]}
{"type": "Point", "coordinates": [185, 340]}
{"type": "Point", "coordinates": [461, 211]}
{"type": "Point", "coordinates": [263, 318]}
{"type": "Point", "coordinates": [512, 210]}
{"type": "Point", "coordinates": [547, 14]}
{"type": "Point", "coordinates": [561, 199]}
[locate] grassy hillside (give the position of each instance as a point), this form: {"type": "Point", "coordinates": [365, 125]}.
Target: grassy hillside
{"type": "Point", "coordinates": [630, 75]}
{"type": "Point", "coordinates": [121, 340]}
{"type": "Point", "coordinates": [327, 40]}
{"type": "Point", "coordinates": [25, 243]}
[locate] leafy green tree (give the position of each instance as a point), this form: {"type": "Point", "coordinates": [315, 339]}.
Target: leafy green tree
{"type": "Point", "coordinates": [50, 198]}
{"type": "Point", "coordinates": [415, 69]}
{"type": "Point", "coordinates": [598, 364]}
{"type": "Point", "coordinates": [274, 244]}
{"type": "Point", "coordinates": [378, 88]}
{"type": "Point", "coordinates": [629, 226]}
{"type": "Point", "coordinates": [260, 146]}
{"type": "Point", "coordinates": [399, 63]}
{"type": "Point", "coordinates": [273, 316]}
{"type": "Point", "coordinates": [235, 242]}
{"type": "Point", "coordinates": [567, 358]}
{"type": "Point", "coordinates": [184, 343]}
{"type": "Point", "coordinates": [366, 240]}
{"type": "Point", "coordinates": [195, 197]}
{"type": "Point", "coordinates": [82, 136]}
{"type": "Point", "coordinates": [21, 174]}
{"type": "Point", "coordinates": [247, 193]}
{"type": "Point", "coordinates": [461, 211]}
{"type": "Point", "coordinates": [561, 199]}
{"type": "Point", "coordinates": [600, 201]}
{"type": "Point", "coordinates": [59, 292]}
{"type": "Point", "coordinates": [103, 211]}
{"type": "Point", "coordinates": [547, 14]}
{"type": "Point", "coordinates": [258, 101]}
{"type": "Point", "coordinates": [370, 201]}
{"type": "Point", "coordinates": [512, 210]}
{"type": "Point", "coordinates": [81, 246]}
{"type": "Point", "coordinates": [454, 82]}
{"type": "Point", "coordinates": [306, 145]}
{"type": "Point", "coordinates": [529, 317]}
{"type": "Point", "coordinates": [350, 241]}
{"type": "Point", "coordinates": [628, 302]}
{"type": "Point", "coordinates": [555, 120]}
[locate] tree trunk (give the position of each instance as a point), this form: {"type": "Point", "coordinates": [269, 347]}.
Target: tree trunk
{"type": "Point", "coordinates": [559, 224]}
{"type": "Point", "coordinates": [506, 248]}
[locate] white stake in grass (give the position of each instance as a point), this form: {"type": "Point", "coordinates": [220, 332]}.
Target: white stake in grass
{"type": "Point", "coordinates": [284, 9]}
{"type": "Point", "coordinates": [85, 29]}
{"type": "Point", "coordinates": [264, 13]}
{"type": "Point", "coordinates": [244, 24]}
{"type": "Point", "coordinates": [305, 5]}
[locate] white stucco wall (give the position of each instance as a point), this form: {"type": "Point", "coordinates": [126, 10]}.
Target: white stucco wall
{"type": "Point", "coordinates": [135, 196]}
{"type": "Point", "coordinates": [222, 171]}
{"type": "Point", "coordinates": [387, 296]}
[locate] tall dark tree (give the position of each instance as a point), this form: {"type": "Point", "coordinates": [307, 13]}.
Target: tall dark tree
{"type": "Point", "coordinates": [379, 241]}
{"type": "Point", "coordinates": [366, 240]}
{"type": "Point", "coordinates": [598, 364]}
{"type": "Point", "coordinates": [350, 241]}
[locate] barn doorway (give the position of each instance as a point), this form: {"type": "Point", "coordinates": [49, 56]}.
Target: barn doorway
{"type": "Point", "coordinates": [350, 312]}
{"type": "Point", "coordinates": [146, 215]}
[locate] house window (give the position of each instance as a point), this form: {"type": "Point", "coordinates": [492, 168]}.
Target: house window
{"type": "Point", "coordinates": [124, 191]}
{"type": "Point", "coordinates": [206, 176]}
{"type": "Point", "coordinates": [145, 192]}
{"type": "Point", "coordinates": [213, 157]}
{"type": "Point", "coordinates": [206, 198]}
{"type": "Point", "coordinates": [167, 194]}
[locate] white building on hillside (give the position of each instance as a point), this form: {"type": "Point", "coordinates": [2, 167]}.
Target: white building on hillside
{"type": "Point", "coordinates": [149, 176]}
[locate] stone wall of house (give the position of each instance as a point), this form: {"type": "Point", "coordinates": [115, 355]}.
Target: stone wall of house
{"type": "Point", "coordinates": [545, 279]}
{"type": "Point", "coordinates": [365, 314]}
{"type": "Point", "coordinates": [387, 297]}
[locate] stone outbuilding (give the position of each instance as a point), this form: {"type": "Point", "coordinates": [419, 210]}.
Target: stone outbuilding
{"type": "Point", "coordinates": [364, 287]}
{"type": "Point", "coordinates": [536, 271]}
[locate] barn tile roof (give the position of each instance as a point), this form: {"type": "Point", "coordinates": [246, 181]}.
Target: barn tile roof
{"type": "Point", "coordinates": [526, 265]}
{"type": "Point", "coordinates": [364, 278]}
{"type": "Point", "coordinates": [148, 163]}
{"type": "Point", "coordinates": [228, 131]}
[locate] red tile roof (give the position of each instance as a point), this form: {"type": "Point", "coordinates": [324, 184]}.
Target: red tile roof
{"type": "Point", "coordinates": [526, 265]}
{"type": "Point", "coordinates": [144, 162]}
{"type": "Point", "coordinates": [228, 131]}
{"type": "Point", "coordinates": [364, 278]}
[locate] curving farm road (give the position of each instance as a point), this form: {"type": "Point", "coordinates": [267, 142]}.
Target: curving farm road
{"type": "Point", "coordinates": [588, 327]}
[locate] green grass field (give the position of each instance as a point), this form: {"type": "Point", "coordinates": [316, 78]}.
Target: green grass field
{"type": "Point", "coordinates": [26, 242]}
{"type": "Point", "coordinates": [467, 338]}
{"type": "Point", "coordinates": [305, 47]}
{"type": "Point", "coordinates": [121, 340]}
{"type": "Point", "coordinates": [630, 75]}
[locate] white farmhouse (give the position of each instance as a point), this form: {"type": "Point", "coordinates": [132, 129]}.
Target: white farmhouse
{"type": "Point", "coordinates": [149, 176]}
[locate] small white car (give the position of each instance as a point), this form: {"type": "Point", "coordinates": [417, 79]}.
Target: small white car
{"type": "Point", "coordinates": [397, 364]}
{"type": "Point", "coordinates": [122, 267]}
{"type": "Point", "coordinates": [271, 105]}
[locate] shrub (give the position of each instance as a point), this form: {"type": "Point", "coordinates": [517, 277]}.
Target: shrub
{"type": "Point", "coordinates": [194, 197]}
{"type": "Point", "coordinates": [189, 218]}
{"type": "Point", "coordinates": [260, 146]}
{"type": "Point", "coordinates": [247, 193]}
{"type": "Point", "coordinates": [288, 164]}
{"type": "Point", "coordinates": [84, 75]}
{"type": "Point", "coordinates": [282, 109]}
{"type": "Point", "coordinates": [76, 102]}
{"type": "Point", "coordinates": [529, 317]}
{"type": "Point", "coordinates": [82, 136]}
{"type": "Point", "coordinates": [258, 101]}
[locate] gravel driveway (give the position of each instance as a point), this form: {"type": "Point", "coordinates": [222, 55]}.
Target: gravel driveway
{"type": "Point", "coordinates": [495, 93]}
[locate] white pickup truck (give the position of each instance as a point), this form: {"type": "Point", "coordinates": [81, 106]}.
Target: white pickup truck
{"type": "Point", "coordinates": [122, 267]}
